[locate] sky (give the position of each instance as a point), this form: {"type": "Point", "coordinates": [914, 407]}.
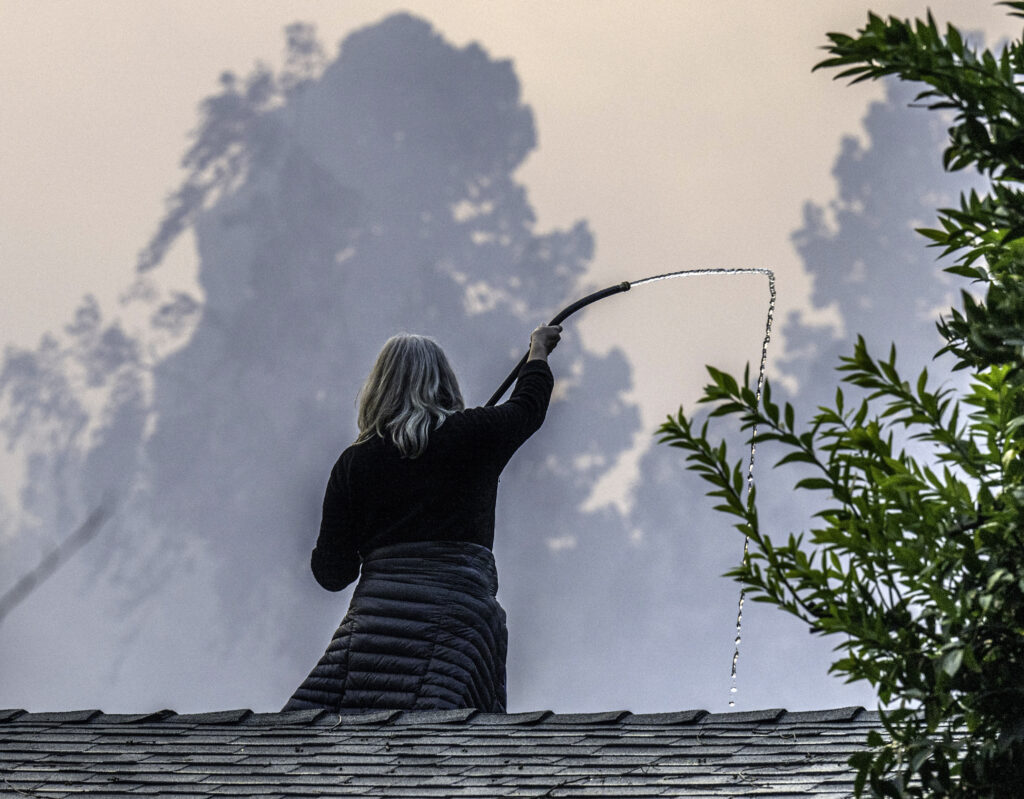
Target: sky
{"type": "Point", "coordinates": [684, 139]}
{"type": "Point", "coordinates": [648, 114]}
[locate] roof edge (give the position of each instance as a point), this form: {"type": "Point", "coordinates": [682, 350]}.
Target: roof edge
{"type": "Point", "coordinates": [246, 717]}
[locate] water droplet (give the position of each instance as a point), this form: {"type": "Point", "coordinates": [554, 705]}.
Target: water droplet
{"type": "Point", "coordinates": [753, 432]}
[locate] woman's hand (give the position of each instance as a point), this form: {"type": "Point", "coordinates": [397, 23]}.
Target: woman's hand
{"type": "Point", "coordinates": [543, 340]}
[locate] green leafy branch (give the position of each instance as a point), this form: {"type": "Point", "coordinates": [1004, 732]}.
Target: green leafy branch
{"type": "Point", "coordinates": [983, 90]}
{"type": "Point", "coordinates": [915, 559]}
{"type": "Point", "coordinates": [900, 563]}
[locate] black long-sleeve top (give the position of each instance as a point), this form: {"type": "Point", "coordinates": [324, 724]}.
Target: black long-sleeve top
{"type": "Point", "coordinates": [375, 497]}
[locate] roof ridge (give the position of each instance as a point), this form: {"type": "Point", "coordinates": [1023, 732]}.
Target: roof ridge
{"type": "Point", "coordinates": [470, 716]}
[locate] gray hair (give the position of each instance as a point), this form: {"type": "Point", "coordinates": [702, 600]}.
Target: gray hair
{"type": "Point", "coordinates": [410, 391]}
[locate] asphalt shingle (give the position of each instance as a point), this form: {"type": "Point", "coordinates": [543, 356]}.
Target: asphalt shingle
{"type": "Point", "coordinates": [239, 753]}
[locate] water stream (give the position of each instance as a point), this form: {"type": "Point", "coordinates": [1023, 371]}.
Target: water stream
{"type": "Point", "coordinates": [753, 432]}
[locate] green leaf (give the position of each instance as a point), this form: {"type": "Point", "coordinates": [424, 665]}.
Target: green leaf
{"type": "Point", "coordinates": [956, 42]}
{"type": "Point", "coordinates": [952, 660]}
{"type": "Point", "coordinates": [795, 457]}
{"type": "Point", "coordinates": [966, 271]}
{"type": "Point", "coordinates": [815, 483]}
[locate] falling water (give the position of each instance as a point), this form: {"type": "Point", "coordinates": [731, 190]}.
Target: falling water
{"type": "Point", "coordinates": [753, 432]}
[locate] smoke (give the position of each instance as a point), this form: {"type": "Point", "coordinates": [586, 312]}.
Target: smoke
{"type": "Point", "coordinates": [327, 206]}
{"type": "Point", "coordinates": [330, 206]}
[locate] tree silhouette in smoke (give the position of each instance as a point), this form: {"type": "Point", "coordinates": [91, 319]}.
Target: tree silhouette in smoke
{"type": "Point", "coordinates": [331, 205]}
{"type": "Point", "coordinates": [868, 260]}
{"type": "Point", "coordinates": [69, 409]}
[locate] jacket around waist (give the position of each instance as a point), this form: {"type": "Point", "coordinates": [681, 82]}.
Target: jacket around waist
{"type": "Point", "coordinates": [454, 565]}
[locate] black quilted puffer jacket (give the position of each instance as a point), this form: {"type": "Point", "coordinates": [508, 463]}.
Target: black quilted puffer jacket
{"type": "Point", "coordinates": [423, 632]}
{"type": "Point", "coordinates": [424, 629]}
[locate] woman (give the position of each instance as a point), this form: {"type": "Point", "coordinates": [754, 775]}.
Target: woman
{"type": "Point", "coordinates": [412, 501]}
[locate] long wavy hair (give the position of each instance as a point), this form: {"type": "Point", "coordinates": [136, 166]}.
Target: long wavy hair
{"type": "Point", "coordinates": [411, 390]}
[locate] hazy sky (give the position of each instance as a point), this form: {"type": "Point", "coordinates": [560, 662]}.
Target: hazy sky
{"type": "Point", "coordinates": [653, 117]}
{"type": "Point", "coordinates": [684, 139]}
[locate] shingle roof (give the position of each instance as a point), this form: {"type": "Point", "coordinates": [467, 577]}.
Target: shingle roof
{"type": "Point", "coordinates": [770, 753]}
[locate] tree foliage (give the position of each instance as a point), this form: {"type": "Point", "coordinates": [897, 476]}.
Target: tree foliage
{"type": "Point", "coordinates": [916, 556]}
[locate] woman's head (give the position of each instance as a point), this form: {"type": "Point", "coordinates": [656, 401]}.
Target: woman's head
{"type": "Point", "coordinates": [410, 391]}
